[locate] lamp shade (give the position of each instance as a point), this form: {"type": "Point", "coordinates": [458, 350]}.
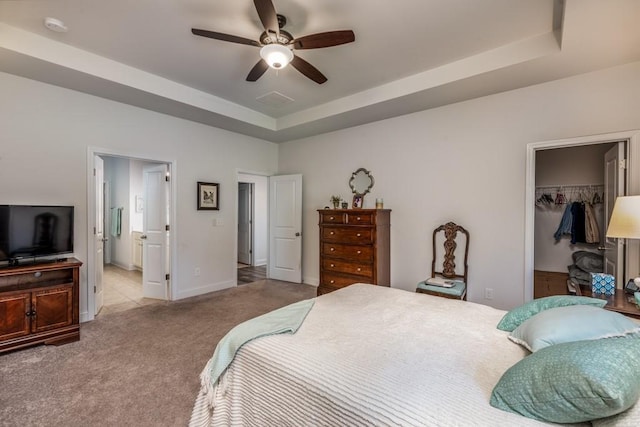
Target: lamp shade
{"type": "Point", "coordinates": [625, 218]}
{"type": "Point", "coordinates": [276, 55]}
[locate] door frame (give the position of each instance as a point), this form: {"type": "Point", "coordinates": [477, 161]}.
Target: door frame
{"type": "Point", "coordinates": [91, 208]}
{"type": "Point", "coordinates": [251, 220]}
{"type": "Point", "coordinates": [632, 173]}
{"type": "Point", "coordinates": [253, 195]}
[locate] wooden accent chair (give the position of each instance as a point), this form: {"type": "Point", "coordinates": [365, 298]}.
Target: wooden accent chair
{"type": "Point", "coordinates": [448, 271]}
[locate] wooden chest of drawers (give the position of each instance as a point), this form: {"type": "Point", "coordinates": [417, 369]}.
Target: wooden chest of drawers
{"type": "Point", "coordinates": [354, 247]}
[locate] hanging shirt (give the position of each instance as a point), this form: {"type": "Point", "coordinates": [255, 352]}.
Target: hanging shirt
{"type": "Point", "coordinates": [592, 231]}
{"type": "Point", "coordinates": [577, 225]}
{"type": "Point", "coordinates": [565, 223]}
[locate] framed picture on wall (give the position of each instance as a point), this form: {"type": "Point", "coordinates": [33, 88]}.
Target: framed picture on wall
{"type": "Point", "coordinates": [208, 196]}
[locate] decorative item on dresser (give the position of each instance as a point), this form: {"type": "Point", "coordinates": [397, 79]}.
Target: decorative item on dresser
{"type": "Point", "coordinates": [361, 182]}
{"type": "Point", "coordinates": [354, 248]}
{"type": "Point", "coordinates": [39, 304]}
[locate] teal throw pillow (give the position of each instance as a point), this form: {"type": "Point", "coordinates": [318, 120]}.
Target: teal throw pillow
{"type": "Point", "coordinates": [573, 382]}
{"type": "Point", "coordinates": [515, 317]}
{"type": "Point", "coordinates": [571, 323]}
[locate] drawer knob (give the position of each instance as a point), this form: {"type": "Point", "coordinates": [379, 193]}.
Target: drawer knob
{"type": "Point", "coordinates": [332, 265]}
{"type": "Point", "coordinates": [332, 233]}
{"type": "Point", "coordinates": [359, 269]}
{"type": "Point", "coordinates": [332, 249]}
{"type": "Point", "coordinates": [332, 281]}
{"type": "Point", "coordinates": [358, 234]}
{"type": "Point", "coordinates": [359, 252]}
{"type": "Point", "coordinates": [37, 274]}
{"type": "Point", "coordinates": [358, 218]}
{"type": "Point", "coordinates": [331, 218]}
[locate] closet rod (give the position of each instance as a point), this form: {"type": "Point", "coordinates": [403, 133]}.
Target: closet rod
{"type": "Point", "coordinates": [564, 187]}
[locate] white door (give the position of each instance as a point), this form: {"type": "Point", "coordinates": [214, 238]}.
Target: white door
{"type": "Point", "coordinates": [154, 236]}
{"type": "Point", "coordinates": [98, 176]}
{"type": "Point", "coordinates": [244, 222]}
{"type": "Point", "coordinates": [285, 228]}
{"type": "Point", "coordinates": [614, 181]}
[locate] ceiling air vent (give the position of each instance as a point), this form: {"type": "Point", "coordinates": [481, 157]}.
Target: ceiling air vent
{"type": "Point", "coordinates": [275, 99]}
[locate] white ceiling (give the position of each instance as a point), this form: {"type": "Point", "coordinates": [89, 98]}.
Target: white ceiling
{"type": "Point", "coordinates": [409, 55]}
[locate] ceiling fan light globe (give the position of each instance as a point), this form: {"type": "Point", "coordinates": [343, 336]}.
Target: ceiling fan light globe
{"type": "Point", "coordinates": [276, 55]}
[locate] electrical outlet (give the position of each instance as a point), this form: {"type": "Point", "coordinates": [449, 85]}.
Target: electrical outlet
{"type": "Point", "coordinates": [196, 272]}
{"type": "Point", "coordinates": [488, 293]}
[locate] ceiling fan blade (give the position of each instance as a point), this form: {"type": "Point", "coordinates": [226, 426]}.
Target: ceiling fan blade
{"type": "Point", "coordinates": [308, 70]}
{"type": "Point", "coordinates": [225, 37]}
{"type": "Point", "coordinates": [257, 71]}
{"type": "Point", "coordinates": [328, 39]}
{"type": "Point", "coordinates": [267, 13]}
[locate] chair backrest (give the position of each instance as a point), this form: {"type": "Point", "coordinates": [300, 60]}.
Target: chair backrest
{"type": "Point", "coordinates": [448, 271]}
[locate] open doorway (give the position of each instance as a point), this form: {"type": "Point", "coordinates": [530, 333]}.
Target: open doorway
{"type": "Point", "coordinates": [129, 214]}
{"type": "Point", "coordinates": [252, 238]}
{"type": "Point", "coordinates": [575, 188]}
{"type": "Point", "coordinates": [627, 165]}
{"type": "Point", "coordinates": [124, 189]}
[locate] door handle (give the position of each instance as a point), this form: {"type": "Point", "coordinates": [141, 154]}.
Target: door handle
{"type": "Point", "coordinates": [105, 239]}
{"type": "Point", "coordinates": [297, 234]}
{"type": "Point", "coordinates": [144, 236]}
{"type": "Point", "coordinates": [602, 248]}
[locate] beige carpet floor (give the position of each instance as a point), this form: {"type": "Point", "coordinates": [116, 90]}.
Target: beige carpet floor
{"type": "Point", "coordinates": [133, 368]}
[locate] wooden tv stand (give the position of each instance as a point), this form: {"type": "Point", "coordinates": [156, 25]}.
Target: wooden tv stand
{"type": "Point", "coordinates": [39, 304]}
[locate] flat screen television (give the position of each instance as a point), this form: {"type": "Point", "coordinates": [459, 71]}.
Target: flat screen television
{"type": "Point", "coordinates": [31, 232]}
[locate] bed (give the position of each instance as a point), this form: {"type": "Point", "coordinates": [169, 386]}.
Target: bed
{"type": "Point", "coordinates": [369, 355]}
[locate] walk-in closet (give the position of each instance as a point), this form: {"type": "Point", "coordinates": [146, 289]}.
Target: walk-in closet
{"type": "Point", "coordinates": [569, 217]}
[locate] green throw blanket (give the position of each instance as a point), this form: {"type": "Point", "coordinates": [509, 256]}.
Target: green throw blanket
{"type": "Point", "coordinates": [283, 320]}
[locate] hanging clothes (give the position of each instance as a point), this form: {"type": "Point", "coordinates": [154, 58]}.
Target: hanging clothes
{"type": "Point", "coordinates": [592, 231]}
{"type": "Point", "coordinates": [565, 223]}
{"type": "Point", "coordinates": [578, 223]}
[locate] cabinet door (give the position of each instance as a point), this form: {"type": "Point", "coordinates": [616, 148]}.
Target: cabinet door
{"type": "Point", "coordinates": [14, 321]}
{"type": "Point", "coordinates": [53, 308]}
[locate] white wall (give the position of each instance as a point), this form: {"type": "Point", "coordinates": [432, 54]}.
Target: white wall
{"type": "Point", "coordinates": [464, 163]}
{"type": "Point", "coordinates": [136, 188]}
{"type": "Point", "coordinates": [45, 135]}
{"type": "Point", "coordinates": [565, 166]}
{"type": "Point", "coordinates": [261, 219]}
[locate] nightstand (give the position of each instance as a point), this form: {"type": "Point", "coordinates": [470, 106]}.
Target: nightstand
{"type": "Point", "coordinates": [621, 303]}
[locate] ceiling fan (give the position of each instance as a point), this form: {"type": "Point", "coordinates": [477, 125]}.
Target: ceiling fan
{"type": "Point", "coordinates": [276, 44]}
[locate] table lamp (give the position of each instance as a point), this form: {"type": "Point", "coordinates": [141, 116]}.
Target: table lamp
{"type": "Point", "coordinates": [625, 223]}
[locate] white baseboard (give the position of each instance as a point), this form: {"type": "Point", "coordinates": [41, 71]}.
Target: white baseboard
{"type": "Point", "coordinates": [187, 293]}
{"type": "Point", "coordinates": [311, 281]}
{"type": "Point", "coordinates": [260, 262]}
{"type": "Point", "coordinates": [128, 267]}
{"type": "Point", "coordinates": [84, 317]}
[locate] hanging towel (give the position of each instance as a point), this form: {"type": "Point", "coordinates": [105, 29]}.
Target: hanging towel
{"type": "Point", "coordinates": [565, 223]}
{"type": "Point", "coordinates": [591, 225]}
{"type": "Point", "coordinates": [116, 221]}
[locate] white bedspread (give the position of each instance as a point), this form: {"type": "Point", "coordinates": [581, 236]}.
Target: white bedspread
{"type": "Point", "coordinates": [369, 355]}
